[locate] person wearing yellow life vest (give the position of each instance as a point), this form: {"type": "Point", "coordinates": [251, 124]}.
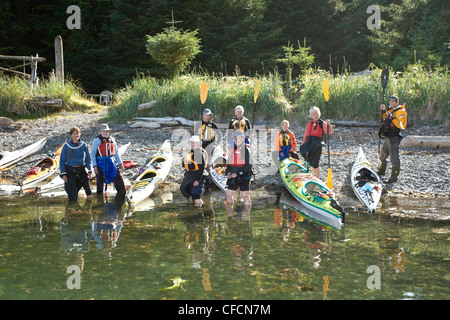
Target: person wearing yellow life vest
{"type": "Point", "coordinates": [209, 129]}
{"type": "Point", "coordinates": [239, 122]}
{"type": "Point", "coordinates": [285, 142]}
{"type": "Point", "coordinates": [194, 163]}
{"type": "Point", "coordinates": [394, 122]}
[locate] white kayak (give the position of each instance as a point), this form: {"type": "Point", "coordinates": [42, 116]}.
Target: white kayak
{"type": "Point", "coordinates": [218, 167]}
{"type": "Point", "coordinates": [153, 174]}
{"type": "Point", "coordinates": [58, 182]}
{"type": "Point", "coordinates": [365, 182]}
{"type": "Point", "coordinates": [42, 170]}
{"type": "Point", "coordinates": [8, 158]}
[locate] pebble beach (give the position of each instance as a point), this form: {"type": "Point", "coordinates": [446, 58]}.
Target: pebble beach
{"type": "Point", "coordinates": [424, 172]}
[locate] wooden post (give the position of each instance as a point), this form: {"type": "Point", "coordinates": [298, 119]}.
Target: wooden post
{"type": "Point", "coordinates": [59, 59]}
{"type": "Point", "coordinates": [33, 70]}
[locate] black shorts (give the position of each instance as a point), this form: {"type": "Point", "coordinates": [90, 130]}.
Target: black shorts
{"type": "Point", "coordinates": [234, 183]}
{"type": "Point", "coordinates": [315, 156]}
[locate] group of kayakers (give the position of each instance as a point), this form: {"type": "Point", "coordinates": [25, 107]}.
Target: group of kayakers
{"type": "Point", "coordinates": [77, 163]}
{"type": "Point", "coordinates": [239, 165]}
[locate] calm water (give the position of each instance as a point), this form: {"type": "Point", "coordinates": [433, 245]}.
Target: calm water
{"type": "Point", "coordinates": [172, 250]}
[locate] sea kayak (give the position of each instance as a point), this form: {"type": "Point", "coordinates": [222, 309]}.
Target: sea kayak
{"type": "Point", "coordinates": [365, 182]}
{"type": "Point", "coordinates": [218, 167]}
{"type": "Point", "coordinates": [152, 175]}
{"type": "Point", "coordinates": [7, 158]}
{"type": "Point", "coordinates": [310, 191]}
{"type": "Point", "coordinates": [42, 170]}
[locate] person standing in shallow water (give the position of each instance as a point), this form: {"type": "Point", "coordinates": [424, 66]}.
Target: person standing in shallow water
{"type": "Point", "coordinates": [316, 131]}
{"type": "Point", "coordinates": [74, 161]}
{"type": "Point", "coordinates": [239, 170]}
{"type": "Point", "coordinates": [106, 161]}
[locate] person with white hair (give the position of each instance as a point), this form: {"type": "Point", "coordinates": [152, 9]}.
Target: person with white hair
{"type": "Point", "coordinates": [239, 122]}
{"type": "Point", "coordinates": [315, 134]}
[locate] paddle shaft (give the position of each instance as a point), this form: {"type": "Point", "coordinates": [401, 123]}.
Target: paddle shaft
{"type": "Point", "coordinates": [379, 138]}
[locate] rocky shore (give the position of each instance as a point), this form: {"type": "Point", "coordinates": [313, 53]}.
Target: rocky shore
{"type": "Point", "coordinates": [425, 172]}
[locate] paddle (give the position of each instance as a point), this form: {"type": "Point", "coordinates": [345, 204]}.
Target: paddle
{"type": "Point", "coordinates": [330, 173]}
{"type": "Point", "coordinates": [203, 96]}
{"type": "Point", "coordinates": [384, 82]}
{"type": "Point", "coordinates": [255, 97]}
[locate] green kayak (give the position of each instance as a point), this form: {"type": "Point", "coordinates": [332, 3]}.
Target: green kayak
{"type": "Point", "coordinates": [311, 192]}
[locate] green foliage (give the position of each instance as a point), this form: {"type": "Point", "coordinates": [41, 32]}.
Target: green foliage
{"type": "Point", "coordinates": [181, 97]}
{"type": "Point", "coordinates": [358, 97]}
{"type": "Point", "coordinates": [174, 48]}
{"type": "Point", "coordinates": [296, 57]}
{"type": "Point", "coordinates": [13, 91]}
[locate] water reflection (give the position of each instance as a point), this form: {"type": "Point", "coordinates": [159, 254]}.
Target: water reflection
{"type": "Point", "coordinates": [101, 222]}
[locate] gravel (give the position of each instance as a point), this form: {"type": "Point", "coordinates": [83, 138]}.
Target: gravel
{"type": "Point", "coordinates": [425, 172]}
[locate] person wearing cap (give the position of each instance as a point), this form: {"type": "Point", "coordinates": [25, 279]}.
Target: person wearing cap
{"type": "Point", "coordinates": [208, 130]}
{"type": "Point", "coordinates": [194, 163]}
{"type": "Point", "coordinates": [106, 161]}
{"type": "Point", "coordinates": [285, 142]}
{"type": "Point", "coordinates": [239, 169]}
{"type": "Point", "coordinates": [74, 161]}
{"type": "Point", "coordinates": [394, 122]}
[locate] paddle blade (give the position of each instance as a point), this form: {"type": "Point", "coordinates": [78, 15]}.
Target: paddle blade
{"type": "Point", "coordinates": [330, 179]}
{"type": "Point", "coordinates": [325, 89]}
{"type": "Point", "coordinates": [203, 92]}
{"type": "Point", "coordinates": [384, 78]}
{"type": "Point", "coordinates": [257, 87]}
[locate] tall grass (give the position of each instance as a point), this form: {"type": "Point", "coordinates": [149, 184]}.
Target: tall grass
{"type": "Point", "coordinates": [181, 97]}
{"type": "Point", "coordinates": [352, 97]}
{"type": "Point", "coordinates": [14, 91]}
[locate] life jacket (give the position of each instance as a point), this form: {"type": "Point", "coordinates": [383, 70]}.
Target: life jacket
{"type": "Point", "coordinates": [207, 132]}
{"type": "Point", "coordinates": [287, 138]}
{"type": "Point", "coordinates": [189, 162]}
{"type": "Point", "coordinates": [237, 158]}
{"type": "Point", "coordinates": [106, 147]}
{"type": "Point", "coordinates": [240, 124]}
{"type": "Point", "coordinates": [395, 120]}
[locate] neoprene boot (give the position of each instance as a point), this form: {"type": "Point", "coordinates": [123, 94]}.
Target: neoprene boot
{"type": "Point", "coordinates": [394, 174]}
{"type": "Point", "coordinates": [382, 168]}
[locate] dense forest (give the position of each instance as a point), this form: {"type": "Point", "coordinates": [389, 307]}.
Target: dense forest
{"type": "Point", "coordinates": [245, 36]}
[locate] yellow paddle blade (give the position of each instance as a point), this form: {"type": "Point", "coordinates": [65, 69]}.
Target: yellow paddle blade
{"type": "Point", "coordinates": [257, 86]}
{"type": "Point", "coordinates": [330, 179]}
{"type": "Point", "coordinates": [203, 92]}
{"type": "Point", "coordinates": [325, 89]}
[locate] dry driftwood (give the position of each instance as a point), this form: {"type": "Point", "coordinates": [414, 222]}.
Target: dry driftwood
{"type": "Point", "coordinates": [344, 123]}
{"type": "Point", "coordinates": [144, 124]}
{"type": "Point", "coordinates": [43, 102]}
{"type": "Point", "coordinates": [147, 105]}
{"type": "Point", "coordinates": [431, 142]}
{"type": "Point", "coordinates": [181, 120]}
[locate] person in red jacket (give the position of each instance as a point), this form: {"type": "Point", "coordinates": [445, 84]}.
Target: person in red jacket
{"type": "Point", "coordinates": [316, 131]}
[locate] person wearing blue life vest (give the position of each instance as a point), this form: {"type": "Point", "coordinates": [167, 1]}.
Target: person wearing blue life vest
{"type": "Point", "coordinates": [106, 161]}
{"type": "Point", "coordinates": [74, 161]}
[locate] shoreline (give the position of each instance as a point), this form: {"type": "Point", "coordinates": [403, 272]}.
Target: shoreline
{"type": "Point", "coordinates": [424, 175]}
